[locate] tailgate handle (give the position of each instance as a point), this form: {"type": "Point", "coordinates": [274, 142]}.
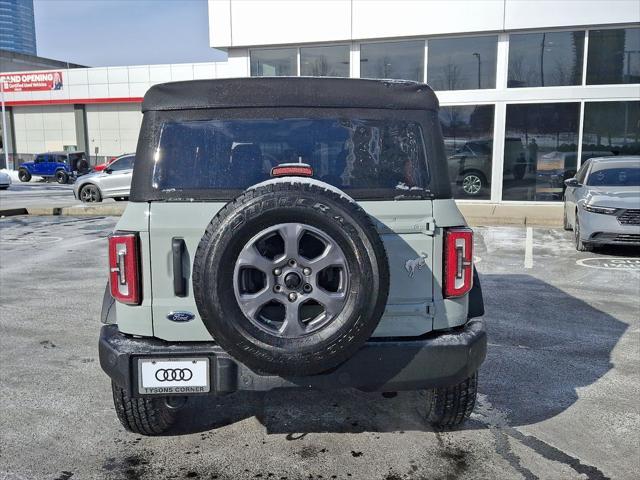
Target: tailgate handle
{"type": "Point", "coordinates": [179, 282]}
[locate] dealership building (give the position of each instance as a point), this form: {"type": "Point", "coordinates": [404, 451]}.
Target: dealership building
{"type": "Point", "coordinates": [528, 89]}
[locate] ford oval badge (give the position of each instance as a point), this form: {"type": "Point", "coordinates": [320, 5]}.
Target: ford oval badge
{"type": "Point", "coordinates": [180, 316]}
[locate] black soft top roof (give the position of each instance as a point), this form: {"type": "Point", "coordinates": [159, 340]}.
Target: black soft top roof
{"type": "Point", "coordinates": [290, 92]}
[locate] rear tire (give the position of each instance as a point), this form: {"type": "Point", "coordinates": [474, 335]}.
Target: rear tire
{"type": "Point", "coordinates": [450, 406]}
{"type": "Point", "coordinates": [62, 177]}
{"type": "Point", "coordinates": [143, 415]}
{"type": "Point", "coordinates": [24, 175]}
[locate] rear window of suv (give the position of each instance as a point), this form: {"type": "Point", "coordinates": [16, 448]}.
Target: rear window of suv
{"type": "Point", "coordinates": [233, 154]}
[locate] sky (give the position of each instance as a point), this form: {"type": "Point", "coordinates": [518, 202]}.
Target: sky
{"type": "Point", "coordinates": [124, 32]}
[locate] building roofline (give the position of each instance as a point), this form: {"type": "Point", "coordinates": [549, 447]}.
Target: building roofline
{"type": "Point", "coordinates": [32, 62]}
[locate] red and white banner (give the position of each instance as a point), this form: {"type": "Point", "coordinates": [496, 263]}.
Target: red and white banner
{"type": "Point", "coordinates": [31, 81]}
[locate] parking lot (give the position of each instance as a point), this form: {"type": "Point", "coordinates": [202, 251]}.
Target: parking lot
{"type": "Point", "coordinates": [558, 392]}
{"type": "Point", "coordinates": [36, 193]}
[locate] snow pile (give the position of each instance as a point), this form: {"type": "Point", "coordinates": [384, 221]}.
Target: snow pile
{"type": "Point", "coordinates": [12, 173]}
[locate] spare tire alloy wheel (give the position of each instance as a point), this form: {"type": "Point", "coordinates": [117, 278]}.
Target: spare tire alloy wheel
{"type": "Point", "coordinates": [300, 290]}
{"type": "Point", "coordinates": [291, 278]}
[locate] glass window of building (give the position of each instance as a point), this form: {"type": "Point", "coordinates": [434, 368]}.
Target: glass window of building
{"type": "Point", "coordinates": [614, 56]}
{"type": "Point", "coordinates": [545, 59]}
{"type": "Point", "coordinates": [277, 62]}
{"type": "Point", "coordinates": [462, 63]}
{"type": "Point", "coordinates": [611, 128]}
{"type": "Point", "coordinates": [540, 150]}
{"type": "Point", "coordinates": [401, 60]}
{"type": "Point", "coordinates": [330, 61]}
{"type": "Point", "coordinates": [468, 142]}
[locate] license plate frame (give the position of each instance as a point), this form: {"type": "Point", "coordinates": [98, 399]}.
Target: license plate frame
{"type": "Point", "coordinates": [179, 376]}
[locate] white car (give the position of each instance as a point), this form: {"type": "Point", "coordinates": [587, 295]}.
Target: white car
{"type": "Point", "coordinates": [602, 203]}
{"type": "Point", "coordinates": [113, 182]}
{"type": "Point", "coordinates": [5, 180]}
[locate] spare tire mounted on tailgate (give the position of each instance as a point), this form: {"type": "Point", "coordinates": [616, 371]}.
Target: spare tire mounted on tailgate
{"type": "Point", "coordinates": [291, 278]}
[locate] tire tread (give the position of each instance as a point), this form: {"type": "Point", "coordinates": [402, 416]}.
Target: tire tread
{"type": "Point", "coordinates": [450, 406]}
{"type": "Point", "coordinates": [146, 416]}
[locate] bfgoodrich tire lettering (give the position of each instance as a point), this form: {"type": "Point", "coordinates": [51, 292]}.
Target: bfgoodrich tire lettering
{"type": "Point", "coordinates": [285, 203]}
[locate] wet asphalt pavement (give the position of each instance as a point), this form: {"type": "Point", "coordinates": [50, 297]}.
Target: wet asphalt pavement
{"type": "Point", "coordinates": [37, 193]}
{"type": "Point", "coordinates": [559, 392]}
{"type": "Point", "coordinates": [40, 194]}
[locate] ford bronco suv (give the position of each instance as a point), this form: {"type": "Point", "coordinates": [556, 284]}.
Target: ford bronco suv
{"type": "Point", "coordinates": [290, 233]}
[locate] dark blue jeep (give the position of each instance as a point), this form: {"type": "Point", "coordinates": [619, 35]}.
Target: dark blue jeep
{"type": "Point", "coordinates": [59, 165]}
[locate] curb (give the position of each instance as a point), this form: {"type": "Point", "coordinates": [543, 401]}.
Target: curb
{"type": "Point", "coordinates": [487, 214]}
{"type": "Point", "coordinates": [75, 211]}
{"type": "Point", "coordinates": [11, 212]}
{"type": "Point", "coordinates": [513, 221]}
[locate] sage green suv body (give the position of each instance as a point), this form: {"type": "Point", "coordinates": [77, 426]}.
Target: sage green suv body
{"type": "Point", "coordinates": [290, 233]}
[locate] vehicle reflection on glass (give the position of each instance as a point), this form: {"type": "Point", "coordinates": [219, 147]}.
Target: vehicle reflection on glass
{"type": "Point", "coordinates": [470, 167]}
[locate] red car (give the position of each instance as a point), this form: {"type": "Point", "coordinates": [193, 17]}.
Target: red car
{"type": "Point", "coordinates": [103, 166]}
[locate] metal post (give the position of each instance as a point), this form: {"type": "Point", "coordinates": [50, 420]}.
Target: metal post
{"type": "Point", "coordinates": [544, 38]}
{"type": "Point", "coordinates": [5, 144]}
{"type": "Point", "coordinates": [477, 55]}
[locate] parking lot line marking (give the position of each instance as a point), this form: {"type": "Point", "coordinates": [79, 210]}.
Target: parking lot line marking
{"type": "Point", "coordinates": [528, 249]}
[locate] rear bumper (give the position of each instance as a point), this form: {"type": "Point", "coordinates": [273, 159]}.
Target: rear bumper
{"type": "Point", "coordinates": [389, 365]}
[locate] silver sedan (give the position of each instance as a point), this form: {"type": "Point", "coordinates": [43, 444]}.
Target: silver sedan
{"type": "Point", "coordinates": [113, 182]}
{"type": "Point", "coordinates": [602, 202]}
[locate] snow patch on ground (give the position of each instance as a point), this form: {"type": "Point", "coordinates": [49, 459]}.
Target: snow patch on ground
{"type": "Point", "coordinates": [14, 175]}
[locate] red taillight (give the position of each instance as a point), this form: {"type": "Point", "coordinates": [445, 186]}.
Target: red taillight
{"type": "Point", "coordinates": [458, 262]}
{"type": "Point", "coordinates": [124, 268]}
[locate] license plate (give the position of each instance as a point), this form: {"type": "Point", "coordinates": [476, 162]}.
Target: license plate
{"type": "Point", "coordinates": [173, 376]}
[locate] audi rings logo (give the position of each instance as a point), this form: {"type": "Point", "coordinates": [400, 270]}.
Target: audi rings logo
{"type": "Point", "coordinates": [174, 374]}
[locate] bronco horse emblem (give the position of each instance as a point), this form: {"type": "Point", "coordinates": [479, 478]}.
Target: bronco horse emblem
{"type": "Point", "coordinates": [416, 264]}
